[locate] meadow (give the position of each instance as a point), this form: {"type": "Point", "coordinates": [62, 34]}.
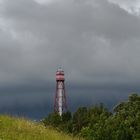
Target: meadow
{"type": "Point", "coordinates": [12, 128]}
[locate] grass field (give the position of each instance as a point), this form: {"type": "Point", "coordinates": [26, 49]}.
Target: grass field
{"type": "Point", "coordinates": [21, 129]}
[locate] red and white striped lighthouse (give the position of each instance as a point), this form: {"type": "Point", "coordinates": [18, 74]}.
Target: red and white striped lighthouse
{"type": "Point", "coordinates": [60, 102]}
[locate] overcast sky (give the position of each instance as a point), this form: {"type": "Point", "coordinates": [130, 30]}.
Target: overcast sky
{"type": "Point", "coordinates": [96, 42]}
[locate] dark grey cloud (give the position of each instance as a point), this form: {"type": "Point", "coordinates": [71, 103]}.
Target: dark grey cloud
{"type": "Point", "coordinates": [96, 42]}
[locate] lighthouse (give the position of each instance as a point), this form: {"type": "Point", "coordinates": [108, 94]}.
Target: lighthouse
{"type": "Point", "coordinates": [60, 102]}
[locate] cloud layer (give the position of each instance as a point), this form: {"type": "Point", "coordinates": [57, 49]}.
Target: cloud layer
{"type": "Point", "coordinates": [132, 7]}
{"type": "Point", "coordinates": [96, 42]}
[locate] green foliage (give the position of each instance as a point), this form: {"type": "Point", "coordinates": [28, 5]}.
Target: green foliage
{"type": "Point", "coordinates": [66, 116]}
{"type": "Point", "coordinates": [97, 123]}
{"type": "Point", "coordinates": [87, 133]}
{"type": "Point", "coordinates": [128, 116]}
{"type": "Point", "coordinates": [53, 119]}
{"type": "Point", "coordinates": [80, 119]}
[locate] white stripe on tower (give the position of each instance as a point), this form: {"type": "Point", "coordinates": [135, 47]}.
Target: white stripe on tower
{"type": "Point", "coordinates": [60, 94]}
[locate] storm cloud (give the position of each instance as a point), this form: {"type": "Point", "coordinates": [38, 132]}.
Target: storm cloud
{"type": "Point", "coordinates": [96, 42]}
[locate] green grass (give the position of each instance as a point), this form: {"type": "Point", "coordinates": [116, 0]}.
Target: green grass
{"type": "Point", "coordinates": [21, 129]}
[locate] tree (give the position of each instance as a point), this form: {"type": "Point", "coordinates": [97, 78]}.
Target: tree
{"type": "Point", "coordinates": [66, 116]}
{"type": "Point", "coordinates": [97, 123]}
{"type": "Point", "coordinates": [53, 119]}
{"type": "Point", "coordinates": [80, 119]}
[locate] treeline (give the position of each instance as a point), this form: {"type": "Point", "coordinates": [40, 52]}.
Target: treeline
{"type": "Point", "coordinates": [98, 123]}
